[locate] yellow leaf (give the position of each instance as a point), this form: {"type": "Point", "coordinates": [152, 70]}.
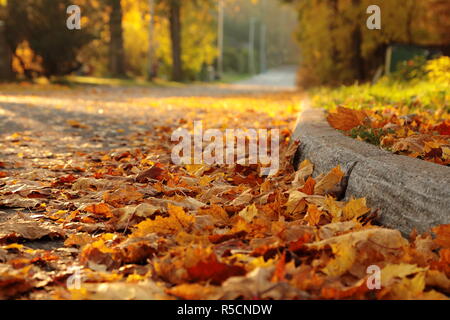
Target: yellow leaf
{"type": "Point", "coordinates": [249, 212]}
{"type": "Point", "coordinates": [354, 209]}
{"type": "Point", "coordinates": [409, 288]}
{"type": "Point", "coordinates": [177, 221]}
{"type": "Point", "coordinates": [345, 256]}
{"type": "Point", "coordinates": [393, 271]}
{"type": "Point", "coordinates": [334, 208]}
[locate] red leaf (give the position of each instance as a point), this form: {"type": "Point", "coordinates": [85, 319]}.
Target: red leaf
{"type": "Point", "coordinates": [213, 270]}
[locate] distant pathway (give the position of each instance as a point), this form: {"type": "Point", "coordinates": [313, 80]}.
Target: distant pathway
{"type": "Point", "coordinates": [282, 78]}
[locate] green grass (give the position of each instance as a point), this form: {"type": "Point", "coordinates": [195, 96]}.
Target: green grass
{"type": "Point", "coordinates": [415, 95]}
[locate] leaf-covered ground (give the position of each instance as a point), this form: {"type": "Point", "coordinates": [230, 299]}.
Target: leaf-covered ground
{"type": "Point", "coordinates": [422, 135]}
{"type": "Point", "coordinates": [88, 192]}
{"type": "Point", "coordinates": [406, 118]}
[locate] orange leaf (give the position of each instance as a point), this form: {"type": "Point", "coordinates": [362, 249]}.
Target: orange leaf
{"type": "Point", "coordinates": [346, 119]}
{"type": "Point", "coordinates": [308, 188]}
{"type": "Point", "coordinates": [101, 209]}
{"type": "Point", "coordinates": [442, 235]}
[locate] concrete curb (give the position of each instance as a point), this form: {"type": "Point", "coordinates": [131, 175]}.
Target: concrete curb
{"type": "Point", "coordinates": [409, 193]}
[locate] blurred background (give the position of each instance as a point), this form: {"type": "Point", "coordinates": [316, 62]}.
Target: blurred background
{"type": "Point", "coordinates": [217, 40]}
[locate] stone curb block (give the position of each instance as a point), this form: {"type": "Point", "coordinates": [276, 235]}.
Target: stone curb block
{"type": "Point", "coordinates": [409, 193]}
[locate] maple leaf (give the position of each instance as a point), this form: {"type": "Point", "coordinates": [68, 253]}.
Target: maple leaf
{"type": "Point", "coordinates": [177, 221]}
{"type": "Point", "coordinates": [345, 256]}
{"type": "Point", "coordinates": [442, 235]}
{"type": "Point", "coordinates": [210, 269]}
{"type": "Point", "coordinates": [346, 119]}
{"type": "Point", "coordinates": [217, 212]}
{"type": "Point", "coordinates": [354, 209]}
{"type": "Point", "coordinates": [313, 215]}
{"type": "Point", "coordinates": [100, 209]}
{"type": "Point", "coordinates": [443, 128]}
{"type": "Point", "coordinates": [309, 186]}
{"type": "Point", "coordinates": [155, 173]}
{"type": "Point", "coordinates": [392, 272]}
{"type": "Point", "coordinates": [329, 181]}
{"type": "Point", "coordinates": [414, 143]}
{"type": "Point", "coordinates": [30, 230]}
{"type": "Point", "coordinates": [122, 195]}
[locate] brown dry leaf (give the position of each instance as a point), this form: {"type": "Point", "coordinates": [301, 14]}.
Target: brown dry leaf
{"type": "Point", "coordinates": [14, 230]}
{"type": "Point", "coordinates": [385, 239]}
{"type": "Point", "coordinates": [154, 173]}
{"type": "Point", "coordinates": [346, 119]}
{"type": "Point", "coordinates": [217, 212]}
{"type": "Point", "coordinates": [14, 282]}
{"type": "Point", "coordinates": [295, 203]}
{"type": "Point", "coordinates": [305, 170]}
{"type": "Point", "coordinates": [123, 195]}
{"type": "Point", "coordinates": [327, 183]}
{"type": "Point", "coordinates": [414, 143]}
{"type": "Point", "coordinates": [257, 285]}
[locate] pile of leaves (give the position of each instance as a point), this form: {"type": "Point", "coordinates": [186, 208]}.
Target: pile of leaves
{"type": "Point", "coordinates": [78, 221]}
{"type": "Point", "coordinates": [133, 229]}
{"type": "Point", "coordinates": [423, 135]}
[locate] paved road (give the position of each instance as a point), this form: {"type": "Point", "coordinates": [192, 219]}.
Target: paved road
{"type": "Point", "coordinates": [282, 78]}
{"type": "Point", "coordinates": [51, 119]}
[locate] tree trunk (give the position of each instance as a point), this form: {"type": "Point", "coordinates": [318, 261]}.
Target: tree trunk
{"type": "Point", "coordinates": [5, 56]}
{"type": "Point", "coordinates": [175, 37]}
{"type": "Point", "coordinates": [117, 52]}
{"type": "Point", "coordinates": [151, 63]}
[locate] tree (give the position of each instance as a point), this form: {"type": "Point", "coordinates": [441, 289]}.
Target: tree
{"type": "Point", "coordinates": [176, 12]}
{"type": "Point", "coordinates": [338, 48]}
{"type": "Point", "coordinates": [175, 38]}
{"type": "Point", "coordinates": [40, 26]}
{"type": "Point", "coordinates": [5, 52]}
{"type": "Point", "coordinates": [117, 52]}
